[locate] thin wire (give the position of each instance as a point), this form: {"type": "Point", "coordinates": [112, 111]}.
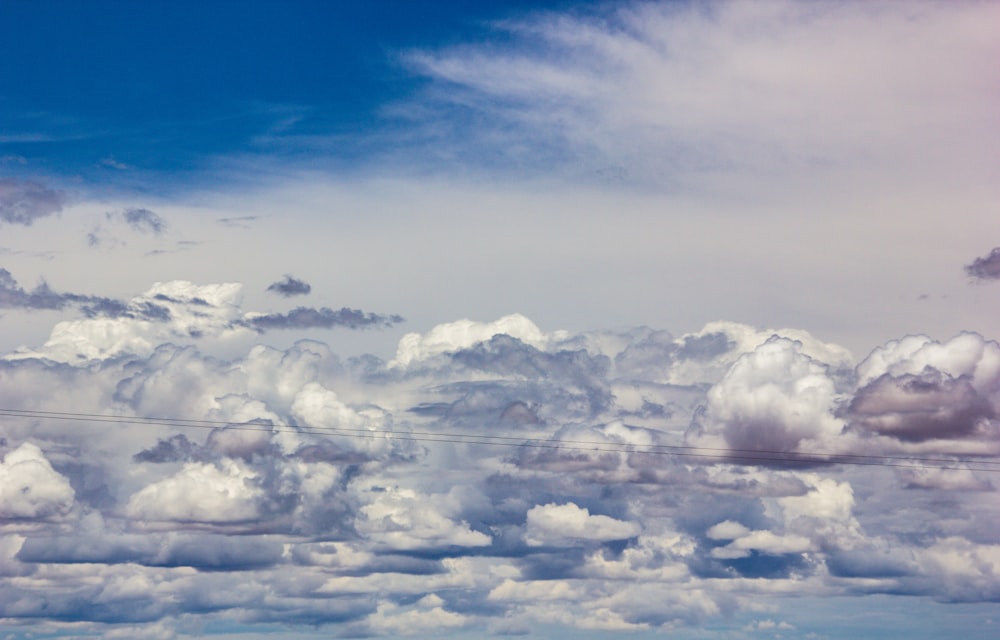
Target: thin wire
{"type": "Point", "coordinates": [510, 441]}
{"type": "Point", "coordinates": [93, 417]}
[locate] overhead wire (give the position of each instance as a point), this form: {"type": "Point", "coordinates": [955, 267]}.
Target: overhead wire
{"type": "Point", "coordinates": [714, 454]}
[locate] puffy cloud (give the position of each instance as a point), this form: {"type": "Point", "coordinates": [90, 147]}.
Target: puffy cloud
{"type": "Point", "coordinates": [289, 287]}
{"type": "Point", "coordinates": [427, 615]}
{"type": "Point", "coordinates": [402, 519]}
{"type": "Point", "coordinates": [704, 356]}
{"type": "Point", "coordinates": [176, 310]}
{"type": "Point", "coordinates": [916, 389]}
{"type": "Point", "coordinates": [765, 542]}
{"type": "Point", "coordinates": [462, 334]}
{"type": "Point", "coordinates": [24, 201]}
{"type": "Point", "coordinates": [944, 480]}
{"type": "Point", "coordinates": [168, 310]}
{"type": "Point", "coordinates": [224, 493]}
{"type": "Point", "coordinates": [985, 267]}
{"type": "Point", "coordinates": [774, 399]}
{"type": "Point", "coordinates": [555, 523]}
{"type": "Point", "coordinates": [30, 489]}
{"type": "Point", "coordinates": [348, 492]}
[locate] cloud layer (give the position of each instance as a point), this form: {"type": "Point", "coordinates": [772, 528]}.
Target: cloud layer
{"type": "Point", "coordinates": [493, 476]}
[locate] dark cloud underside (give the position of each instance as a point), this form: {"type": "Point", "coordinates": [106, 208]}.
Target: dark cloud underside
{"type": "Point", "coordinates": [289, 287]}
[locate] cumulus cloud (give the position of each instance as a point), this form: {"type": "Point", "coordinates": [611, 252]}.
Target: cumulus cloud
{"type": "Point", "coordinates": [24, 201]}
{"type": "Point", "coordinates": [30, 488]}
{"type": "Point", "coordinates": [453, 336]}
{"type": "Point", "coordinates": [200, 493]}
{"type": "Point", "coordinates": [289, 287]}
{"type": "Point", "coordinates": [986, 267]}
{"type": "Point", "coordinates": [553, 523]}
{"type": "Point", "coordinates": [773, 399]}
{"type": "Point", "coordinates": [497, 476]}
{"type": "Point", "coordinates": [168, 310]}
{"type": "Point", "coordinates": [917, 389]}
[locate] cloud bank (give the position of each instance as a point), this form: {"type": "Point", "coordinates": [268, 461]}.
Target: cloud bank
{"type": "Point", "coordinates": [493, 476]}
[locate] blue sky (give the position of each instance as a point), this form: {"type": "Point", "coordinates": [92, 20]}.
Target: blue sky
{"type": "Point", "coordinates": [465, 319]}
{"type": "Point", "coordinates": [168, 86]}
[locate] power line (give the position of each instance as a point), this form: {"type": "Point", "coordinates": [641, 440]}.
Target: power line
{"type": "Point", "coordinates": [714, 454]}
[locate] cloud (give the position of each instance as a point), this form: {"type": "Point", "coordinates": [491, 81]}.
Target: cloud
{"type": "Point", "coordinates": [774, 399]}
{"type": "Point", "coordinates": [200, 493]}
{"type": "Point", "coordinates": [111, 163]}
{"type": "Point", "coordinates": [486, 483]}
{"type": "Point", "coordinates": [916, 389]}
{"type": "Point", "coordinates": [290, 287]}
{"type": "Point", "coordinates": [168, 310]}
{"type": "Point", "coordinates": [24, 201]}
{"type": "Point", "coordinates": [12, 296]}
{"type": "Point", "coordinates": [555, 523]}
{"type": "Point", "coordinates": [322, 318]}
{"type": "Point", "coordinates": [30, 489]}
{"type": "Point", "coordinates": [145, 221]}
{"type": "Point", "coordinates": [986, 267]}
{"type": "Point", "coordinates": [454, 336]}
{"type": "Point", "coordinates": [649, 91]}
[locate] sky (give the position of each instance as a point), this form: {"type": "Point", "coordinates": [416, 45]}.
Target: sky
{"type": "Point", "coordinates": [466, 319]}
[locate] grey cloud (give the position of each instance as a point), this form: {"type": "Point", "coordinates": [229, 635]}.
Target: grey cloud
{"type": "Point", "coordinates": [12, 295]}
{"type": "Point", "coordinates": [219, 553]}
{"type": "Point", "coordinates": [322, 318]}
{"type": "Point", "coordinates": [176, 448]}
{"type": "Point", "coordinates": [919, 407]}
{"type": "Point", "coordinates": [240, 222]}
{"type": "Point", "coordinates": [24, 201]}
{"type": "Point", "coordinates": [145, 221]}
{"type": "Point", "coordinates": [290, 287]}
{"type": "Point", "coordinates": [986, 267]}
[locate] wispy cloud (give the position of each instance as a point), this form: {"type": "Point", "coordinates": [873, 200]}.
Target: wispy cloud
{"type": "Point", "coordinates": [654, 90]}
{"type": "Point", "coordinates": [25, 201]}
{"type": "Point", "coordinates": [145, 221]}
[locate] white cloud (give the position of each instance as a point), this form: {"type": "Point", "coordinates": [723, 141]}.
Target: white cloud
{"type": "Point", "coordinates": [426, 616]}
{"type": "Point", "coordinates": [774, 399]}
{"type": "Point", "coordinates": [553, 523]}
{"type": "Point", "coordinates": [461, 334]}
{"type": "Point", "coordinates": [727, 530]}
{"type": "Point", "coordinates": [657, 87]}
{"type": "Point", "coordinates": [30, 488]}
{"type": "Point", "coordinates": [167, 311]}
{"type": "Point", "coordinates": [765, 542]}
{"type": "Point", "coordinates": [403, 519]}
{"type": "Point", "coordinates": [201, 493]}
